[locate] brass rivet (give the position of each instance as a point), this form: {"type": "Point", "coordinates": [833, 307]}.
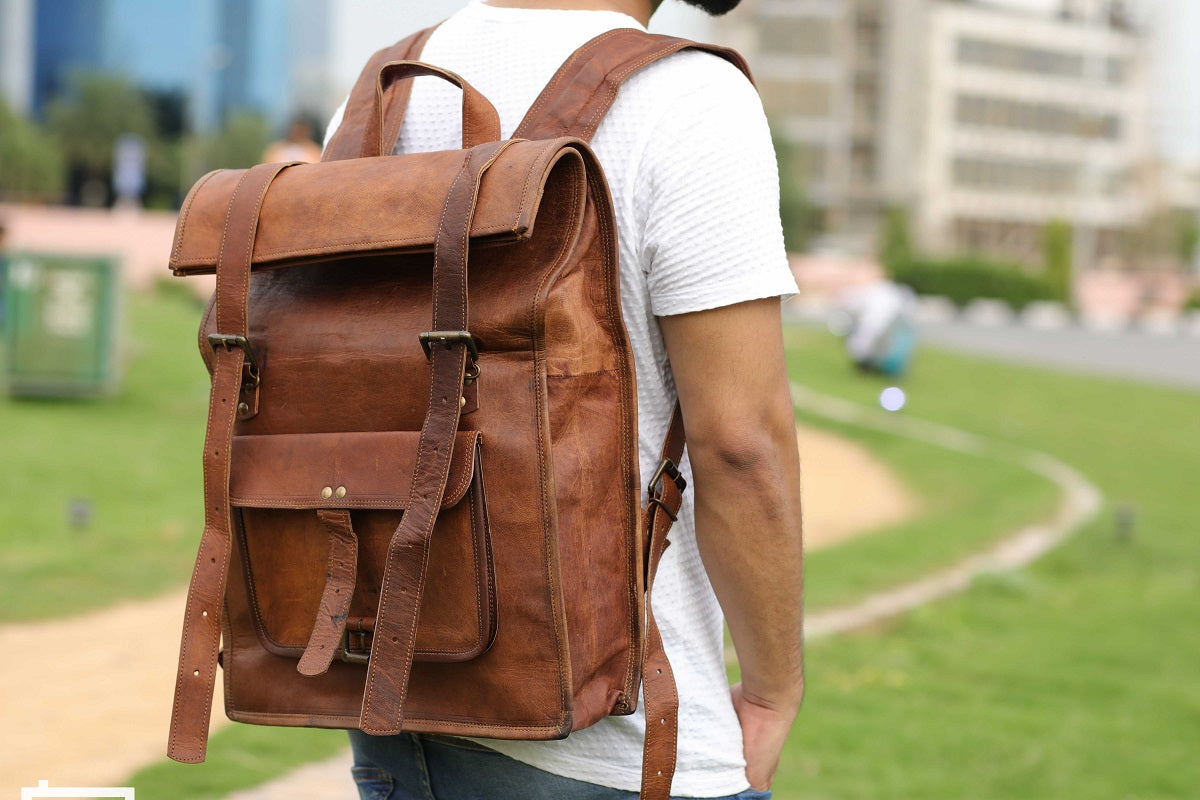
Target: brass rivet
{"type": "Point", "coordinates": [243, 409]}
{"type": "Point", "coordinates": [341, 492]}
{"type": "Point", "coordinates": [462, 402]}
{"type": "Point", "coordinates": [327, 492]}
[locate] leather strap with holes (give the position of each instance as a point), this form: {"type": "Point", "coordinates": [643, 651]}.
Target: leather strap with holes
{"type": "Point", "coordinates": [341, 570]}
{"type": "Point", "coordinates": [201, 640]}
{"type": "Point", "coordinates": [395, 639]}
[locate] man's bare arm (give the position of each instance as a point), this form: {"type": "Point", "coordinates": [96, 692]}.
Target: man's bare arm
{"type": "Point", "coordinates": [741, 438]}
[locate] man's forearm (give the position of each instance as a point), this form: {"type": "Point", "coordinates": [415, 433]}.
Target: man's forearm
{"type": "Point", "coordinates": [748, 527]}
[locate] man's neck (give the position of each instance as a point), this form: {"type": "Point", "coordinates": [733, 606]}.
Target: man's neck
{"type": "Point", "coordinates": [638, 9]}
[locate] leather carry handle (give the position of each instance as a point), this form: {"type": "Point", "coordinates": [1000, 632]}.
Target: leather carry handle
{"type": "Point", "coordinates": [480, 122]}
{"type": "Point", "coordinates": [347, 140]}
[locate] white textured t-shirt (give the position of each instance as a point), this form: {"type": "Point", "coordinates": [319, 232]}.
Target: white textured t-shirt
{"type": "Point", "coordinates": [689, 161]}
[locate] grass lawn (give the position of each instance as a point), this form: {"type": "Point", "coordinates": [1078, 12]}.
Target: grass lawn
{"type": "Point", "coordinates": [967, 501]}
{"type": "Point", "coordinates": [240, 756]}
{"type": "Point", "coordinates": [132, 460]}
{"type": "Point", "coordinates": [1075, 678]}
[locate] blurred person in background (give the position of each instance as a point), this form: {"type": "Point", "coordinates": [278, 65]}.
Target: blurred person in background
{"type": "Point", "coordinates": [880, 333]}
{"type": "Point", "coordinates": [299, 144]}
{"type": "Point", "coordinates": [693, 174]}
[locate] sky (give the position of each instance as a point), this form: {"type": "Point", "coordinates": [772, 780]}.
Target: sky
{"type": "Point", "coordinates": [363, 26]}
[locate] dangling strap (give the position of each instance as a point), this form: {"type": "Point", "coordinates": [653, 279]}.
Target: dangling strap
{"type": "Point", "coordinates": [348, 140]}
{"type": "Point", "coordinates": [665, 494]}
{"type": "Point", "coordinates": [395, 639]}
{"type": "Point", "coordinates": [232, 352]}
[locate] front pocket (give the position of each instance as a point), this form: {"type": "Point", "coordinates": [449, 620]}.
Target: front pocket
{"type": "Point", "coordinates": [280, 487]}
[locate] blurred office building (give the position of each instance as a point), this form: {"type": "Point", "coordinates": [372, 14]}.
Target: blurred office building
{"type": "Point", "coordinates": [983, 120]}
{"type": "Point", "coordinates": [220, 56]}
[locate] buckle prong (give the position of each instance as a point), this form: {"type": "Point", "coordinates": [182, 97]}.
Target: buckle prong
{"type": "Point", "coordinates": [666, 469]}
{"type": "Point", "coordinates": [232, 340]}
{"type": "Point", "coordinates": [360, 652]}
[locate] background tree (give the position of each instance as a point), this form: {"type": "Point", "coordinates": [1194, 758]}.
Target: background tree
{"type": "Point", "coordinates": [86, 123]}
{"type": "Point", "coordinates": [239, 144]}
{"type": "Point", "coordinates": [31, 168]}
{"type": "Point", "coordinates": [801, 219]}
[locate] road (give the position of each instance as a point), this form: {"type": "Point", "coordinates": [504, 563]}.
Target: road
{"type": "Point", "coordinates": [1171, 359]}
{"type": "Point", "coordinates": [1165, 358]}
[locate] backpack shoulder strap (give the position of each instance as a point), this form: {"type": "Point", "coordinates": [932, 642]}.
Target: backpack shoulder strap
{"type": "Point", "coordinates": [348, 140]}
{"type": "Point", "coordinates": [583, 90]}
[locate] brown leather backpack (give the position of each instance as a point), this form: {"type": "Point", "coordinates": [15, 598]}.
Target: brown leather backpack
{"type": "Point", "coordinates": [423, 515]}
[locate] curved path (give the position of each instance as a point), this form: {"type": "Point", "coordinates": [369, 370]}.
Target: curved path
{"type": "Point", "coordinates": [95, 717]}
{"type": "Point", "coordinates": [1080, 500]}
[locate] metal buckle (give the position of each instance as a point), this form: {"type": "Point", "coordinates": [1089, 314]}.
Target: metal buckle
{"type": "Point", "coordinates": [360, 651]}
{"type": "Point", "coordinates": [232, 340]}
{"type": "Point", "coordinates": [448, 338]}
{"type": "Point", "coordinates": [666, 469]}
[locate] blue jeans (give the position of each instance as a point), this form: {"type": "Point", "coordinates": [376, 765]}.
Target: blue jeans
{"type": "Point", "coordinates": [424, 767]}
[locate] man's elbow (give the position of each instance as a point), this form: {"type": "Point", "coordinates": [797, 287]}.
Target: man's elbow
{"type": "Point", "coordinates": [750, 450]}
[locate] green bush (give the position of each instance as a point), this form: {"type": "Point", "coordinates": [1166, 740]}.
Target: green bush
{"type": "Point", "coordinates": [895, 248]}
{"type": "Point", "coordinates": [1193, 301]}
{"type": "Point", "coordinates": [968, 278]}
{"type": "Point", "coordinates": [801, 219]}
{"type": "Point", "coordinates": [1056, 248]}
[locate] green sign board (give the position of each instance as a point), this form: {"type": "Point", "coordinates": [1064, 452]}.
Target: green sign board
{"type": "Point", "coordinates": [60, 331]}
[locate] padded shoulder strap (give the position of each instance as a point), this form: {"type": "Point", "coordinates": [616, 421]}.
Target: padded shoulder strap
{"type": "Point", "coordinates": [586, 85]}
{"type": "Point", "coordinates": [350, 137]}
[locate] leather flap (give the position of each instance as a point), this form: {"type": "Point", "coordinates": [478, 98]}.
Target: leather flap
{"type": "Point", "coordinates": [389, 204]}
{"type": "Point", "coordinates": [374, 469]}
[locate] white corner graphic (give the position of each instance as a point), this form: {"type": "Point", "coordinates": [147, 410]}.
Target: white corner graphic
{"type": "Point", "coordinates": [45, 790]}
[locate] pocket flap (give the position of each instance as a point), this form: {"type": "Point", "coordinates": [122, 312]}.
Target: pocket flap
{"type": "Point", "coordinates": [368, 470]}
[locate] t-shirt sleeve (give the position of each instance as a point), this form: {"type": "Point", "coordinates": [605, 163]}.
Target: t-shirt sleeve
{"type": "Point", "coordinates": [707, 191]}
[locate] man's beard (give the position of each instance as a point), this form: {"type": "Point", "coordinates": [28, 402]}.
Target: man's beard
{"type": "Point", "coordinates": [714, 7]}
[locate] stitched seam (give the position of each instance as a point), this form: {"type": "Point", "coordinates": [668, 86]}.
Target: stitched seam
{"type": "Point", "coordinates": [552, 585]}
{"type": "Point", "coordinates": [616, 81]}
{"type": "Point", "coordinates": [589, 374]}
{"type": "Point", "coordinates": [551, 89]}
{"type": "Point", "coordinates": [617, 323]}
{"type": "Point", "coordinates": [331, 248]}
{"type": "Point", "coordinates": [187, 208]}
{"type": "Point", "coordinates": [533, 168]}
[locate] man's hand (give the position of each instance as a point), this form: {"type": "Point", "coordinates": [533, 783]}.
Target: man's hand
{"type": "Point", "coordinates": [764, 732]}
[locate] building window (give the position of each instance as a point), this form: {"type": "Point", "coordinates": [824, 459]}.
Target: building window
{"type": "Point", "coordinates": [1042, 118]}
{"type": "Point", "coordinates": [805, 98]}
{"type": "Point", "coordinates": [799, 36]}
{"type": "Point", "coordinates": [1019, 58]}
{"type": "Point", "coordinates": [1014, 176]}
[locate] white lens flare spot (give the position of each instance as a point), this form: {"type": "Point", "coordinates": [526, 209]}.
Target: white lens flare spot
{"type": "Point", "coordinates": [892, 398]}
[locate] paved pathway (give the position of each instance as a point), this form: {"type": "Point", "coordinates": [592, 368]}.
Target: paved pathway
{"type": "Point", "coordinates": [1080, 500]}
{"type": "Point", "coordinates": [1172, 359]}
